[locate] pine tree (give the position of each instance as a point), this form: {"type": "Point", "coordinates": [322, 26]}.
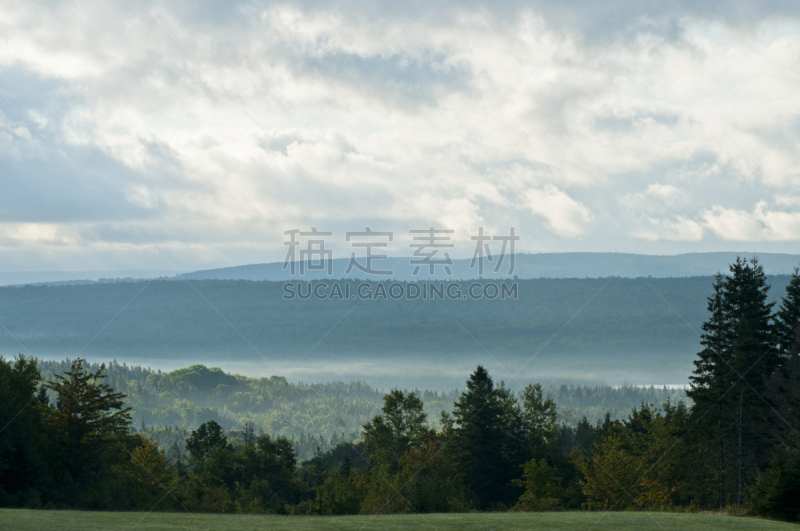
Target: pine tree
{"type": "Point", "coordinates": [346, 465]}
{"type": "Point", "coordinates": [787, 318]}
{"type": "Point", "coordinates": [249, 433]}
{"type": "Point", "coordinates": [316, 473]}
{"type": "Point", "coordinates": [728, 383]}
{"type": "Point", "coordinates": [540, 422]}
{"type": "Point", "coordinates": [710, 384]}
{"type": "Point", "coordinates": [755, 358]}
{"type": "Point", "coordinates": [23, 435]}
{"type": "Point", "coordinates": [90, 417]}
{"type": "Point", "coordinates": [41, 396]}
{"type": "Point", "coordinates": [480, 439]}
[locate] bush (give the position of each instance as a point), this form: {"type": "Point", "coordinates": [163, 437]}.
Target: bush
{"type": "Point", "coordinates": [777, 490]}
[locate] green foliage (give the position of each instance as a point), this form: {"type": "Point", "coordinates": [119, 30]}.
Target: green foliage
{"type": "Point", "coordinates": [319, 415]}
{"type": "Point", "coordinates": [256, 477]}
{"type": "Point", "coordinates": [776, 493]}
{"type": "Point", "coordinates": [482, 441]}
{"type": "Point", "coordinates": [202, 442]}
{"type": "Point", "coordinates": [23, 436]}
{"type": "Point", "coordinates": [408, 471]}
{"type": "Point", "coordinates": [632, 465]}
{"type": "Point", "coordinates": [401, 427]}
{"type": "Point", "coordinates": [145, 481]}
{"type": "Point", "coordinates": [194, 380]}
{"type": "Point", "coordinates": [543, 490]}
{"type": "Point", "coordinates": [428, 480]}
{"type": "Point", "coordinates": [313, 415]}
{"type": "Point", "coordinates": [539, 421]}
{"type": "Point", "coordinates": [89, 420]}
{"type": "Point", "coordinates": [729, 383]}
{"type": "Point", "coordinates": [339, 494]}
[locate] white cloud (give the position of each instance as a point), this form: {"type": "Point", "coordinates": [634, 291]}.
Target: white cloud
{"type": "Point", "coordinates": [679, 229]}
{"type": "Point", "coordinates": [657, 197]}
{"type": "Point", "coordinates": [786, 200]}
{"type": "Point", "coordinates": [761, 224]}
{"type": "Point", "coordinates": [345, 117]}
{"type": "Point", "coordinates": [565, 216]}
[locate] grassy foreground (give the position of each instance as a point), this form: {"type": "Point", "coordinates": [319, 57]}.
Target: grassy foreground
{"type": "Point", "coordinates": [83, 521]}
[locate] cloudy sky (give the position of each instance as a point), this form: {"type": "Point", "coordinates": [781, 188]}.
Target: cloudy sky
{"type": "Point", "coordinates": [191, 135]}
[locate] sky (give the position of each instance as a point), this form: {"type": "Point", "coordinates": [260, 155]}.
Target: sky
{"type": "Point", "coordinates": [188, 135]}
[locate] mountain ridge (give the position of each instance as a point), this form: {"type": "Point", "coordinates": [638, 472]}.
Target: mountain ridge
{"type": "Point", "coordinates": [528, 266]}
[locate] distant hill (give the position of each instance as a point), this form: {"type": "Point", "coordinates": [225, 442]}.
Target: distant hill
{"type": "Point", "coordinates": [19, 278]}
{"type": "Point", "coordinates": [528, 266]}
{"type": "Point", "coordinates": [617, 325]}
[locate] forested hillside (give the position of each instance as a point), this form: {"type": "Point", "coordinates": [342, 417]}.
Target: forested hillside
{"type": "Point", "coordinates": [315, 415]}
{"type": "Point", "coordinates": [588, 320]}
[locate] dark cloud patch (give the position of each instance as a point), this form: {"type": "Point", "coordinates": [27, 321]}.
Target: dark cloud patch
{"type": "Point", "coordinates": [238, 13]}
{"type": "Point", "coordinates": [37, 102]}
{"type": "Point", "coordinates": [784, 135]}
{"type": "Point", "coordinates": [593, 20]}
{"type": "Point", "coordinates": [626, 123]}
{"type": "Point", "coordinates": [704, 177]}
{"type": "Point", "coordinates": [403, 82]}
{"type": "Point", "coordinates": [597, 22]}
{"type": "Point", "coordinates": [55, 192]}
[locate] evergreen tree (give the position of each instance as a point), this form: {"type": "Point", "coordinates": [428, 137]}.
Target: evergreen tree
{"type": "Point", "coordinates": [787, 318]}
{"type": "Point", "coordinates": [481, 437]}
{"type": "Point", "coordinates": [316, 472]}
{"type": "Point", "coordinates": [754, 359]}
{"type": "Point", "coordinates": [42, 397]}
{"type": "Point", "coordinates": [249, 433]}
{"type": "Point", "coordinates": [709, 385]}
{"type": "Point", "coordinates": [22, 432]}
{"type": "Point", "coordinates": [728, 383]}
{"type": "Point", "coordinates": [777, 491]}
{"type": "Point", "coordinates": [711, 375]}
{"type": "Point", "coordinates": [90, 418]}
{"type": "Point", "coordinates": [346, 466]}
{"type": "Point", "coordinates": [539, 422]}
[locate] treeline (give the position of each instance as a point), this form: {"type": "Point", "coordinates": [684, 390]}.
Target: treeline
{"type": "Point", "coordinates": [312, 416]}
{"type": "Point", "coordinates": [80, 450]}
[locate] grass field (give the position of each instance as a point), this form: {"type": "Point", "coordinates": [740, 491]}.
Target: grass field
{"type": "Point", "coordinates": [18, 519]}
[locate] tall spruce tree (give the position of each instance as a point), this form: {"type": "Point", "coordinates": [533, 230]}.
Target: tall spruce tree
{"type": "Point", "coordinates": [23, 434]}
{"type": "Point", "coordinates": [481, 437]}
{"type": "Point", "coordinates": [90, 417]}
{"type": "Point", "coordinates": [777, 491]}
{"type": "Point", "coordinates": [709, 385]}
{"type": "Point", "coordinates": [754, 359]}
{"type": "Point", "coordinates": [728, 383]}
